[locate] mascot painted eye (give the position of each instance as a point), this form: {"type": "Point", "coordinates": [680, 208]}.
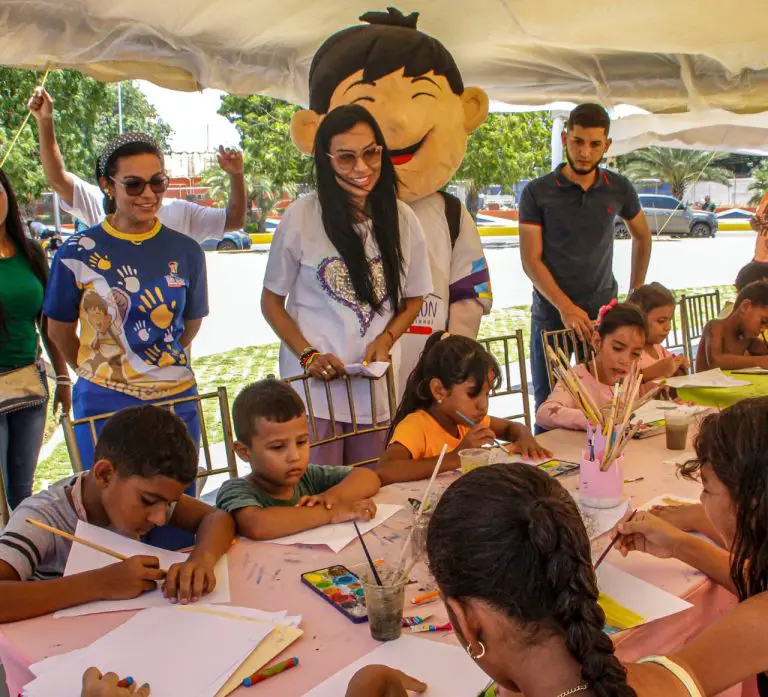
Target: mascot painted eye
{"type": "Point", "coordinates": [411, 84]}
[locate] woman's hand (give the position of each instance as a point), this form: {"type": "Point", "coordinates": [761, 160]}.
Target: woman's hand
{"type": "Point", "coordinates": [62, 397]}
{"type": "Point", "coordinates": [379, 349]}
{"type": "Point", "coordinates": [647, 533]}
{"type": "Point", "coordinates": [326, 366]}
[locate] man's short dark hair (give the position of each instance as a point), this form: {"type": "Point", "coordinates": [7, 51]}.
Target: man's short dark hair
{"type": "Point", "coordinates": [147, 442]}
{"type": "Point", "coordinates": [754, 271]}
{"type": "Point", "coordinates": [590, 116]}
{"type": "Point", "coordinates": [387, 42]}
{"type": "Point", "coordinates": [270, 399]}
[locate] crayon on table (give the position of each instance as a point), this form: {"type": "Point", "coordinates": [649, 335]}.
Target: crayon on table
{"type": "Point", "coordinates": [276, 669]}
{"type": "Point", "coordinates": [425, 598]}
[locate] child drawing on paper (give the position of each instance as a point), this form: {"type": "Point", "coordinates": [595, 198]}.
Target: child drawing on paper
{"type": "Point", "coordinates": [106, 316]}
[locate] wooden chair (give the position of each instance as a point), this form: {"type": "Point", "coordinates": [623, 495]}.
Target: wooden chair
{"type": "Point", "coordinates": [5, 512]}
{"type": "Point", "coordinates": [499, 346]}
{"type": "Point", "coordinates": [68, 426]}
{"type": "Point", "coordinates": [695, 312]}
{"type": "Point", "coordinates": [301, 383]}
{"type": "Point", "coordinates": [567, 341]}
{"type": "Point", "coordinates": [675, 341]}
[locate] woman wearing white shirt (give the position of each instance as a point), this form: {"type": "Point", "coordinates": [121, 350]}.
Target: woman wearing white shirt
{"type": "Point", "coordinates": [352, 262]}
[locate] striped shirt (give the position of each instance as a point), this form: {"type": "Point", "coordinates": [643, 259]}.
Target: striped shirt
{"type": "Point", "coordinates": [34, 553]}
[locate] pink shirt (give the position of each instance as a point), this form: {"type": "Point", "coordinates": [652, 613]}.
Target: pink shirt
{"type": "Point", "coordinates": [561, 410]}
{"type": "Point", "coordinates": [646, 360]}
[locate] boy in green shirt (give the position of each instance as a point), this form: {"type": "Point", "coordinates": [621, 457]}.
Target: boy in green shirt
{"type": "Point", "coordinates": [284, 494]}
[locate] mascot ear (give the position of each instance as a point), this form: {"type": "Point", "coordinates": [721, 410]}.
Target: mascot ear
{"type": "Point", "coordinates": [304, 125]}
{"type": "Point", "coordinates": [475, 103]}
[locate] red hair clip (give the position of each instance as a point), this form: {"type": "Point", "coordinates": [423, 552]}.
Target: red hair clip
{"type": "Point", "coordinates": [604, 310]}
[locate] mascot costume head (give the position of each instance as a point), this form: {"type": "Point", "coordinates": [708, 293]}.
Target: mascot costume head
{"type": "Point", "coordinates": [413, 88]}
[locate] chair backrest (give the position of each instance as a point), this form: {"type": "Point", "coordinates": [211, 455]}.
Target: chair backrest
{"type": "Point", "coordinates": [220, 395]}
{"type": "Point", "coordinates": [5, 512]}
{"type": "Point", "coordinates": [567, 341]}
{"type": "Point", "coordinates": [695, 312]}
{"type": "Point", "coordinates": [505, 353]}
{"type": "Point", "coordinates": [675, 341]}
{"type": "Point", "coordinates": [336, 434]}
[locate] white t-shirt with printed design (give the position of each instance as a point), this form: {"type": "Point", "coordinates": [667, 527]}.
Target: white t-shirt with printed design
{"type": "Point", "coordinates": [198, 222]}
{"type": "Point", "coordinates": [305, 266]}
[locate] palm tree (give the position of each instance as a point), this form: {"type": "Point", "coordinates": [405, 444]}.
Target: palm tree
{"type": "Point", "coordinates": [259, 192]}
{"type": "Point", "coordinates": [678, 168]}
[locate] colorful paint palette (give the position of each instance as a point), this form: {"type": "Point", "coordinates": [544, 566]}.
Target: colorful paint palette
{"type": "Point", "coordinates": [341, 588]}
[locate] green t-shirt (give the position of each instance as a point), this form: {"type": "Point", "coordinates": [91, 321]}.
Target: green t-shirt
{"type": "Point", "coordinates": [241, 493]}
{"type": "Point", "coordinates": [21, 296]}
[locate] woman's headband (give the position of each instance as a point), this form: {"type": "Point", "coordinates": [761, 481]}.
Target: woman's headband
{"type": "Point", "coordinates": [116, 143]}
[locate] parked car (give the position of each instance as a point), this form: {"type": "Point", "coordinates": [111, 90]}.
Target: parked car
{"type": "Point", "coordinates": [669, 216]}
{"type": "Point", "coordinates": [230, 241]}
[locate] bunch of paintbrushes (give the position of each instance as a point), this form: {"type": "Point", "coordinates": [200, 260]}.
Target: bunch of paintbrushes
{"type": "Point", "coordinates": [613, 421]}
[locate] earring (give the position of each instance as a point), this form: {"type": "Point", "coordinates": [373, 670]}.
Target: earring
{"type": "Point", "coordinates": [109, 195]}
{"type": "Point", "coordinates": [480, 655]}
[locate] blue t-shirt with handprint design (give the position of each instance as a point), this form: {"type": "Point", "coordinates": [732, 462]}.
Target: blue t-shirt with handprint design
{"type": "Point", "coordinates": [132, 295]}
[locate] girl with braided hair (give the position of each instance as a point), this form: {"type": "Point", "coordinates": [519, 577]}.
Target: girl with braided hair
{"type": "Point", "coordinates": [518, 583]}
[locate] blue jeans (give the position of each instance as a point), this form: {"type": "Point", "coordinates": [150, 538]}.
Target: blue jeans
{"type": "Point", "coordinates": [89, 399]}
{"type": "Point", "coordinates": [539, 374]}
{"type": "Point", "coordinates": [21, 435]}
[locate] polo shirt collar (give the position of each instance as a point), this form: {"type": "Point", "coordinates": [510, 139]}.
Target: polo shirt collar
{"type": "Point", "coordinates": [563, 181]}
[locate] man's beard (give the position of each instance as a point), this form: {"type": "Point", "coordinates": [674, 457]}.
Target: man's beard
{"type": "Point", "coordinates": [578, 171]}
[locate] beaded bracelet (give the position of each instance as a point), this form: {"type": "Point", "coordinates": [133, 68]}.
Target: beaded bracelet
{"type": "Point", "coordinates": [307, 356]}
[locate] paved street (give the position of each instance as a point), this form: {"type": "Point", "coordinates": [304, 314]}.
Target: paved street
{"type": "Point", "coordinates": [235, 281]}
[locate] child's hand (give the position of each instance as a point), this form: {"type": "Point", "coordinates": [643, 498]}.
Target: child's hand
{"type": "Point", "coordinates": [346, 511]}
{"type": "Point", "coordinates": [383, 681]}
{"type": "Point", "coordinates": [130, 578]}
{"type": "Point", "coordinates": [326, 500]}
{"type": "Point", "coordinates": [477, 437]}
{"type": "Point", "coordinates": [685, 516]}
{"type": "Point", "coordinates": [190, 581]}
{"type": "Point", "coordinates": [97, 685]}
{"type": "Point", "coordinates": [647, 533]}
{"type": "Point", "coordinates": [527, 446]}
{"type": "Point", "coordinates": [667, 367]}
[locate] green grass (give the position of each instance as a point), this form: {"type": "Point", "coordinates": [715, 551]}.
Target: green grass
{"type": "Point", "coordinates": [239, 367]}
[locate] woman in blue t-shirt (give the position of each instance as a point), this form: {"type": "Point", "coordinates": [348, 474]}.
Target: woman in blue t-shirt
{"type": "Point", "coordinates": [126, 298]}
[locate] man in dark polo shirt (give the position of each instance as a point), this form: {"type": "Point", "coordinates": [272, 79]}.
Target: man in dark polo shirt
{"type": "Point", "coordinates": [567, 232]}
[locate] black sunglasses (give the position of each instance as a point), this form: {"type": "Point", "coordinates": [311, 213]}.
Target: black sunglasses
{"type": "Point", "coordinates": [134, 186]}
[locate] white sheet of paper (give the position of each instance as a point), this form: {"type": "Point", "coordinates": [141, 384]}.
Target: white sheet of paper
{"type": "Point", "coordinates": [646, 600]}
{"type": "Point", "coordinates": [500, 455]}
{"type": "Point", "coordinates": [708, 378]}
{"type": "Point", "coordinates": [446, 669]}
{"type": "Point", "coordinates": [657, 409]}
{"type": "Point", "coordinates": [680, 459]}
{"type": "Point", "coordinates": [599, 521]}
{"type": "Point", "coordinates": [140, 648]}
{"type": "Point", "coordinates": [376, 369]}
{"type": "Point", "coordinates": [339, 535]}
{"type": "Point", "coordinates": [82, 558]}
{"type": "Point", "coordinates": [750, 371]}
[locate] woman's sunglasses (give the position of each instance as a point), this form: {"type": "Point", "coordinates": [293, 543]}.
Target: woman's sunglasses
{"type": "Point", "coordinates": [134, 186]}
{"type": "Point", "coordinates": [346, 161]}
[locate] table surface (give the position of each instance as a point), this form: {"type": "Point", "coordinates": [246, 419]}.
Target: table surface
{"type": "Point", "coordinates": [267, 576]}
{"type": "Point", "coordinates": [722, 397]}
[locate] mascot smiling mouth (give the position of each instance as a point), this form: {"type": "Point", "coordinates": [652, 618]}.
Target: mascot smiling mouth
{"type": "Point", "coordinates": [404, 156]}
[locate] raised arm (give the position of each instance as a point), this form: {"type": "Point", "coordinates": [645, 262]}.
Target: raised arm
{"type": "Point", "coordinates": [641, 249]}
{"type": "Point", "coordinates": [41, 106]}
{"type": "Point", "coordinates": [231, 161]}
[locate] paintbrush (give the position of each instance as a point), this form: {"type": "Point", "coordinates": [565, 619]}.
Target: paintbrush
{"type": "Point", "coordinates": [612, 543]}
{"type": "Point", "coordinates": [471, 423]}
{"type": "Point", "coordinates": [367, 555]}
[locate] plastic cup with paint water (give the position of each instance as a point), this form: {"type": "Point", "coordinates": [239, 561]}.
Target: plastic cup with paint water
{"type": "Point", "coordinates": [677, 423]}
{"type": "Point", "coordinates": [385, 606]}
{"type": "Point", "coordinates": [472, 458]}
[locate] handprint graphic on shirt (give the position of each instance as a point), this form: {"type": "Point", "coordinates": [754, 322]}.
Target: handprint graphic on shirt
{"type": "Point", "coordinates": [102, 263]}
{"type": "Point", "coordinates": [162, 357]}
{"type": "Point", "coordinates": [129, 278]}
{"type": "Point", "coordinates": [142, 329]}
{"type": "Point", "coordinates": [83, 243]}
{"type": "Point", "coordinates": [155, 306]}
{"type": "Point", "coordinates": [168, 337]}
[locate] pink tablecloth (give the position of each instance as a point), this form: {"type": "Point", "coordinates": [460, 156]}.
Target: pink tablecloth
{"type": "Point", "coordinates": [266, 576]}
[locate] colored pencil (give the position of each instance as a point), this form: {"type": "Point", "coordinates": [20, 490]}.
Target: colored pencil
{"type": "Point", "coordinates": [612, 543]}
{"type": "Point", "coordinates": [262, 675]}
{"type": "Point", "coordinates": [367, 555]}
{"type": "Point", "coordinates": [79, 540]}
{"type": "Point", "coordinates": [126, 682]}
{"type": "Point", "coordinates": [419, 599]}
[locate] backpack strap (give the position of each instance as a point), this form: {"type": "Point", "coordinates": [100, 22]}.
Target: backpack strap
{"type": "Point", "coordinates": [452, 215]}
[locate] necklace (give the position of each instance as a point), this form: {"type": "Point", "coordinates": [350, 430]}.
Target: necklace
{"type": "Point", "coordinates": [574, 690]}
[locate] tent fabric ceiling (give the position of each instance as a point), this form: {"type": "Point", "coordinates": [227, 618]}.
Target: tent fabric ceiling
{"type": "Point", "coordinates": [659, 55]}
{"type": "Point", "coordinates": [706, 130]}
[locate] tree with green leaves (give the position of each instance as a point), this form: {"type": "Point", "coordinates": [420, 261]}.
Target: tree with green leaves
{"type": "Point", "coordinates": [86, 118]}
{"type": "Point", "coordinates": [506, 149]}
{"type": "Point", "coordinates": [274, 168]}
{"type": "Point", "coordinates": [676, 167]}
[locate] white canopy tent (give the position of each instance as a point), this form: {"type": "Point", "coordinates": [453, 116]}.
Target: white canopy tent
{"type": "Point", "coordinates": [659, 55]}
